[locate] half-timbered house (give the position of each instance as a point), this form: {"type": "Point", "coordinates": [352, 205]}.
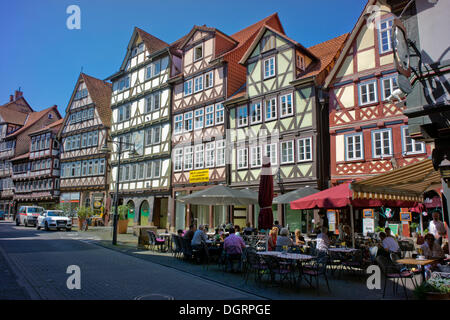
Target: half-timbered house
{"type": "Point", "coordinates": [13, 116]}
{"type": "Point", "coordinates": [36, 173]}
{"type": "Point", "coordinates": [279, 115]}
{"type": "Point", "coordinates": [368, 133]}
{"type": "Point", "coordinates": [209, 74]}
{"type": "Point", "coordinates": [140, 106]}
{"type": "Point", "coordinates": [84, 166]}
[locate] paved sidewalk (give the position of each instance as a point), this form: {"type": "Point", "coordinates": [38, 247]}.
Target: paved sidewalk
{"type": "Point", "coordinates": [348, 287]}
{"type": "Point", "coordinates": [10, 288]}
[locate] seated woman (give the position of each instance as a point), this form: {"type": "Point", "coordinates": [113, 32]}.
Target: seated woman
{"type": "Point", "coordinates": [432, 249]}
{"type": "Point", "coordinates": [272, 241]}
{"type": "Point", "coordinates": [284, 239]}
{"type": "Point", "coordinates": [299, 239]}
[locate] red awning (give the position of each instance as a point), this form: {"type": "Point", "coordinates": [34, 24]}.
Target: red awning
{"type": "Point", "coordinates": [341, 196]}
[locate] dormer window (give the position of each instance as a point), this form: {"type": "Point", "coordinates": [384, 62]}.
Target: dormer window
{"type": "Point", "coordinates": [300, 62]}
{"type": "Point", "coordinates": [268, 43]}
{"type": "Point", "coordinates": [198, 52]}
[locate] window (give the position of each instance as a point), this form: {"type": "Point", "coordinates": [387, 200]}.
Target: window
{"type": "Point", "coordinates": [127, 112]}
{"type": "Point", "coordinates": [220, 153]}
{"type": "Point", "coordinates": [188, 121]}
{"type": "Point", "coordinates": [219, 113]}
{"type": "Point", "coordinates": [209, 116]}
{"type": "Point", "coordinates": [84, 140]}
{"type": "Point", "coordinates": [242, 158]}
{"type": "Point", "coordinates": [102, 166]}
{"type": "Point", "coordinates": [210, 155]}
{"type": "Point", "coordinates": [141, 167]}
{"type": "Point", "coordinates": [271, 109]}
{"type": "Point", "coordinates": [91, 113]}
{"type": "Point", "coordinates": [368, 93]}
{"type": "Point", "coordinates": [410, 146]}
{"type": "Point", "coordinates": [198, 119]}
{"type": "Point", "coordinates": [198, 84]}
{"type": "Point", "coordinates": [188, 87]}
{"type": "Point", "coordinates": [255, 112]}
{"type": "Point", "coordinates": [178, 125]}
{"type": "Point", "coordinates": [124, 83]}
{"type": "Point", "coordinates": [242, 116]}
{"type": "Point", "coordinates": [178, 160]}
{"type": "Point", "coordinates": [124, 113]}
{"type": "Point", "coordinates": [286, 108]}
{"type": "Point", "coordinates": [199, 156]}
{"type": "Point", "coordinates": [156, 168]}
{"type": "Point", "coordinates": [209, 79]}
{"type": "Point", "coordinates": [148, 72]}
{"type": "Point", "coordinates": [385, 34]}
{"type": "Point", "coordinates": [49, 163]}
{"type": "Point", "coordinates": [133, 171]}
{"type": "Point", "coordinates": [255, 156]}
{"type": "Point", "coordinates": [269, 68]}
{"type": "Point", "coordinates": [153, 102]}
{"type": "Point", "coordinates": [198, 52]}
{"type": "Point", "coordinates": [188, 158]}
{"type": "Point", "coordinates": [148, 136]}
{"type": "Point", "coordinates": [354, 147]}
{"type": "Point", "coordinates": [287, 152]}
{"type": "Point", "coordinates": [304, 149]}
{"type": "Point", "coordinates": [89, 140]}
{"type": "Point", "coordinates": [156, 134]}
{"type": "Point", "coordinates": [382, 143]}
{"type": "Point", "coordinates": [149, 169]}
{"type": "Point", "coordinates": [127, 173]}
{"type": "Point", "coordinates": [389, 85]}
{"type": "Point", "coordinates": [156, 67]}
{"type": "Point", "coordinates": [300, 62]}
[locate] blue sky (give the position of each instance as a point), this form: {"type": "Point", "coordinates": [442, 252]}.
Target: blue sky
{"type": "Point", "coordinates": [44, 58]}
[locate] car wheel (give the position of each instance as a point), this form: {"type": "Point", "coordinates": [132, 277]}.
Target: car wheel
{"type": "Point", "coordinates": [46, 226]}
{"type": "Point", "coordinates": [68, 229]}
{"type": "Point", "coordinates": [37, 226]}
{"type": "Point", "coordinates": [26, 223]}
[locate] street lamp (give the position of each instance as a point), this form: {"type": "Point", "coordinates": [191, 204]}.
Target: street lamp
{"type": "Point", "coordinates": [133, 153]}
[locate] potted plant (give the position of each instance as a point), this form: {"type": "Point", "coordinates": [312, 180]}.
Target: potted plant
{"type": "Point", "coordinates": [413, 228]}
{"type": "Point", "coordinates": [83, 214]}
{"type": "Point", "coordinates": [123, 219]}
{"type": "Point", "coordinates": [436, 288]}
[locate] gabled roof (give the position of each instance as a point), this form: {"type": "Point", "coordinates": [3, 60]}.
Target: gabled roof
{"type": "Point", "coordinates": [100, 92]}
{"type": "Point", "coordinates": [245, 34]}
{"type": "Point", "coordinates": [12, 116]}
{"type": "Point", "coordinates": [326, 52]}
{"type": "Point", "coordinates": [55, 125]}
{"type": "Point", "coordinates": [348, 43]}
{"type": "Point", "coordinates": [207, 29]}
{"type": "Point", "coordinates": [33, 117]}
{"type": "Point", "coordinates": [260, 34]}
{"type": "Point", "coordinates": [152, 43]}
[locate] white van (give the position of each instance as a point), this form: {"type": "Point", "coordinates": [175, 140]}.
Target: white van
{"type": "Point", "coordinates": [28, 215]}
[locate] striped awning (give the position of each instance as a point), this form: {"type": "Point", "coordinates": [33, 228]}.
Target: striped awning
{"type": "Point", "coordinates": [405, 183]}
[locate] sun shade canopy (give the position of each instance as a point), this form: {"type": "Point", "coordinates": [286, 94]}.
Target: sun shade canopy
{"type": "Point", "coordinates": [294, 195]}
{"type": "Point", "coordinates": [220, 195]}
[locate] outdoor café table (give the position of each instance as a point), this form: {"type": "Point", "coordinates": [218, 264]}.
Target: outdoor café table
{"type": "Point", "coordinates": [167, 237]}
{"type": "Point", "coordinates": [289, 256]}
{"type": "Point", "coordinates": [414, 262]}
{"type": "Point", "coordinates": [342, 250]}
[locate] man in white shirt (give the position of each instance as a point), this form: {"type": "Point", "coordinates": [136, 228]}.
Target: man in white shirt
{"type": "Point", "coordinates": [322, 240]}
{"type": "Point", "coordinates": [437, 228]}
{"type": "Point", "coordinates": [388, 242]}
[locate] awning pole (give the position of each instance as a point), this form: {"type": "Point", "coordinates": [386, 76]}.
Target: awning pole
{"type": "Point", "coordinates": [353, 226]}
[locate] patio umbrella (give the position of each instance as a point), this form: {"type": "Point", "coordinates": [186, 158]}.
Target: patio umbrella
{"type": "Point", "coordinates": [294, 195]}
{"type": "Point", "coordinates": [219, 195]}
{"type": "Point", "coordinates": [265, 196]}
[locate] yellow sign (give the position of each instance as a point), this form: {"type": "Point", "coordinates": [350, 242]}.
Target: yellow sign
{"type": "Point", "coordinates": [197, 176]}
{"type": "Point", "coordinates": [97, 204]}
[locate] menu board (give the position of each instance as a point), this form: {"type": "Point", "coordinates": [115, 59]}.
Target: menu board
{"type": "Point", "coordinates": [367, 213]}
{"type": "Point", "coordinates": [405, 216]}
{"type": "Point", "coordinates": [368, 226]}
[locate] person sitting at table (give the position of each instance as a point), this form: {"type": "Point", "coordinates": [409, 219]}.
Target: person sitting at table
{"type": "Point", "coordinates": [199, 240]}
{"type": "Point", "coordinates": [272, 241]}
{"type": "Point", "coordinates": [299, 239]}
{"type": "Point", "coordinates": [431, 248]}
{"type": "Point", "coordinates": [388, 245]}
{"type": "Point", "coordinates": [237, 230]}
{"type": "Point", "coordinates": [233, 246]}
{"type": "Point", "coordinates": [322, 240]}
{"type": "Point", "coordinates": [389, 242]}
{"type": "Point", "coordinates": [180, 233]}
{"type": "Point", "coordinates": [283, 239]}
{"type": "Point", "coordinates": [189, 234]}
{"type": "Point", "coordinates": [277, 224]}
{"type": "Point", "coordinates": [248, 230]}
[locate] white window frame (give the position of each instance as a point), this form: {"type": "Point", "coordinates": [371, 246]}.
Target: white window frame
{"type": "Point", "coordinates": [220, 153]}
{"type": "Point", "coordinates": [194, 53]}
{"type": "Point", "coordinates": [178, 160]}
{"type": "Point", "coordinates": [210, 83]}
{"type": "Point", "coordinates": [282, 143]}
{"type": "Point", "coordinates": [287, 97]}
{"type": "Point", "coordinates": [273, 153]}
{"type": "Point", "coordinates": [199, 162]}
{"type": "Point", "coordinates": [391, 147]}
{"type": "Point", "coordinates": [242, 152]}
{"type": "Point", "coordinates": [188, 116]}
{"type": "Point", "coordinates": [199, 113]}
{"type": "Point", "coordinates": [405, 136]}
{"type": "Point", "coordinates": [299, 152]}
{"type": "Point", "coordinates": [350, 140]}
{"type": "Point", "coordinates": [187, 84]}
{"type": "Point", "coordinates": [392, 86]}
{"type": "Point", "coordinates": [366, 85]}
{"type": "Point", "coordinates": [242, 122]}
{"type": "Point", "coordinates": [388, 30]}
{"type": "Point", "coordinates": [255, 156]}
{"type": "Point", "coordinates": [198, 84]}
{"type": "Point", "coordinates": [156, 164]}
{"type": "Point", "coordinates": [257, 117]}
{"type": "Point", "coordinates": [177, 119]}
{"type": "Point", "coordinates": [188, 154]}
{"type": "Point", "coordinates": [210, 152]}
{"type": "Point", "coordinates": [273, 108]}
{"type": "Point", "coordinates": [209, 112]}
{"type": "Point", "coordinates": [271, 71]}
{"type": "Point", "coordinates": [220, 110]}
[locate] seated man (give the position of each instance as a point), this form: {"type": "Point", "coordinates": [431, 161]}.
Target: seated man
{"type": "Point", "coordinates": [233, 246]}
{"type": "Point", "coordinates": [388, 245]}
{"type": "Point", "coordinates": [284, 239]}
{"type": "Point", "coordinates": [189, 234]}
{"type": "Point", "coordinates": [431, 248]}
{"type": "Point", "coordinates": [198, 241]}
{"type": "Point", "coordinates": [322, 240]}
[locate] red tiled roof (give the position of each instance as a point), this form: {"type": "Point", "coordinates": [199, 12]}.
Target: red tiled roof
{"type": "Point", "coordinates": [100, 92]}
{"type": "Point", "coordinates": [55, 125]}
{"type": "Point", "coordinates": [23, 156]}
{"type": "Point", "coordinates": [13, 116]}
{"type": "Point", "coordinates": [243, 35]}
{"type": "Point", "coordinates": [32, 119]}
{"type": "Point", "coordinates": [152, 43]}
{"type": "Point", "coordinates": [326, 52]}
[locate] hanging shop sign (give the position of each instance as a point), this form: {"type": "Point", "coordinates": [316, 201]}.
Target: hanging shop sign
{"type": "Point", "coordinates": [368, 226]}
{"type": "Point", "coordinates": [405, 216]}
{"type": "Point", "coordinates": [368, 213]}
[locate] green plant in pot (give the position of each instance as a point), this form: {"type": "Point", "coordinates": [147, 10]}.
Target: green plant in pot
{"type": "Point", "coordinates": [123, 218]}
{"type": "Point", "coordinates": [436, 288]}
{"type": "Point", "coordinates": [83, 214]}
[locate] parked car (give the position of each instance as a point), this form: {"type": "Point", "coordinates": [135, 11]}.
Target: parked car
{"type": "Point", "coordinates": [28, 215]}
{"type": "Point", "coordinates": [54, 219]}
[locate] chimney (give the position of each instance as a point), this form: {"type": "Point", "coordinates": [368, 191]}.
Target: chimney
{"type": "Point", "coordinates": [11, 98]}
{"type": "Point", "coordinates": [18, 94]}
